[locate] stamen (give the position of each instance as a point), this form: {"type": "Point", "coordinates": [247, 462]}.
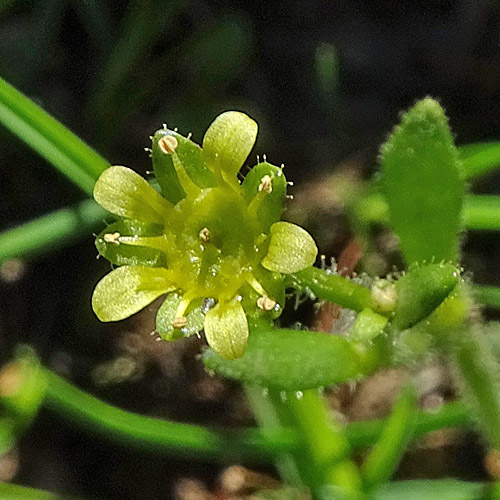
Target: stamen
{"type": "Point", "coordinates": [266, 303]}
{"type": "Point", "coordinates": [112, 238]}
{"type": "Point", "coordinates": [266, 184]}
{"type": "Point", "coordinates": [179, 322]}
{"type": "Point", "coordinates": [168, 144]}
{"type": "Point", "coordinates": [204, 235]}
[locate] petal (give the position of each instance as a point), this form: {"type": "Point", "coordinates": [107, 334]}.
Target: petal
{"type": "Point", "coordinates": [228, 142]}
{"type": "Point", "coordinates": [291, 249]}
{"type": "Point", "coordinates": [124, 192]}
{"type": "Point", "coordinates": [129, 289]}
{"type": "Point", "coordinates": [226, 329]}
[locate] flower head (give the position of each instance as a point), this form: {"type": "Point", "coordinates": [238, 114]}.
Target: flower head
{"type": "Point", "coordinates": [212, 244]}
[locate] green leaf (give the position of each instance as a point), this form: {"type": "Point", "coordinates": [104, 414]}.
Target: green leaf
{"type": "Point", "coordinates": [228, 142]}
{"type": "Point", "coordinates": [125, 193]}
{"type": "Point", "coordinates": [292, 360]}
{"type": "Point", "coordinates": [128, 255]}
{"type": "Point", "coordinates": [129, 289]}
{"type": "Point", "coordinates": [423, 184]}
{"type": "Point", "coordinates": [226, 330]}
{"type": "Point", "coordinates": [167, 313]}
{"type": "Point", "coordinates": [291, 249]}
{"type": "Point", "coordinates": [421, 290]}
{"type": "Point", "coordinates": [264, 190]}
{"type": "Point", "coordinates": [60, 147]}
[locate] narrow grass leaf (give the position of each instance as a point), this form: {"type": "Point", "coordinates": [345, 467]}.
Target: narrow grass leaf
{"type": "Point", "coordinates": [60, 147]}
{"type": "Point", "coordinates": [48, 232]}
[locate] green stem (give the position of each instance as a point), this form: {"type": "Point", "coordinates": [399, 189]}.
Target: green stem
{"type": "Point", "coordinates": [478, 370]}
{"type": "Point", "coordinates": [271, 441]}
{"type": "Point", "coordinates": [479, 159]}
{"type": "Point", "coordinates": [332, 287]}
{"type": "Point", "coordinates": [267, 417]}
{"type": "Point", "coordinates": [324, 461]}
{"type": "Point", "coordinates": [487, 295]}
{"type": "Point", "coordinates": [52, 140]}
{"type": "Point", "coordinates": [480, 212]}
{"type": "Point", "coordinates": [15, 492]}
{"type": "Point", "coordinates": [456, 414]}
{"type": "Point", "coordinates": [384, 457]}
{"type": "Point", "coordinates": [50, 231]}
{"type": "Point", "coordinates": [174, 437]}
{"type": "Point", "coordinates": [321, 461]}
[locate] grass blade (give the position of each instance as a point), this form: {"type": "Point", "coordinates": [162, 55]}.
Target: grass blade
{"type": "Point", "coordinates": [51, 231]}
{"type": "Point", "coordinates": [52, 140]}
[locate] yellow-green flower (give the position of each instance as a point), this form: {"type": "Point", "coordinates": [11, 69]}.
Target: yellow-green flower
{"type": "Point", "coordinates": [211, 243]}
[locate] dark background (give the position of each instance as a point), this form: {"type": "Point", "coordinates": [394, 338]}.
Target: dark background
{"type": "Point", "coordinates": [324, 79]}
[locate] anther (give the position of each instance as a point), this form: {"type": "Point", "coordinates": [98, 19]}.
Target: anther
{"type": "Point", "coordinates": [266, 184]}
{"type": "Point", "coordinates": [204, 235]}
{"type": "Point", "coordinates": [266, 303]}
{"type": "Point", "coordinates": [112, 238]}
{"type": "Point", "coordinates": [168, 144]}
{"type": "Point", "coordinates": [179, 322]}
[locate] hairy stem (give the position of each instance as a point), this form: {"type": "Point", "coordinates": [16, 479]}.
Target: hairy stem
{"type": "Point", "coordinates": [332, 287]}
